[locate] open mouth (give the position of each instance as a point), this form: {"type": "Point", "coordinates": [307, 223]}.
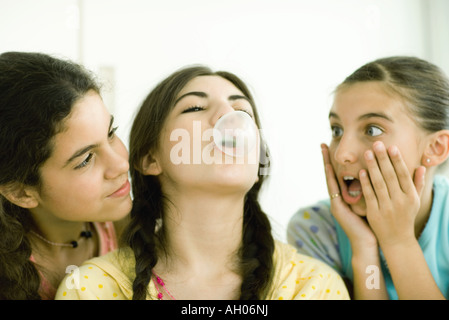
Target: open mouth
{"type": "Point", "coordinates": [352, 189]}
{"type": "Point", "coordinates": [353, 185]}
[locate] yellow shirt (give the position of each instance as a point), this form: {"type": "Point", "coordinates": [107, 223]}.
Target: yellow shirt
{"type": "Point", "coordinates": [296, 277]}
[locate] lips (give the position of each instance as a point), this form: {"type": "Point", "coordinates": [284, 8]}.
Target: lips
{"type": "Point", "coordinates": [122, 191]}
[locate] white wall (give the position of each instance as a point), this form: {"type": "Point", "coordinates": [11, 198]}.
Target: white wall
{"type": "Point", "coordinates": [46, 25]}
{"type": "Point", "coordinates": [292, 53]}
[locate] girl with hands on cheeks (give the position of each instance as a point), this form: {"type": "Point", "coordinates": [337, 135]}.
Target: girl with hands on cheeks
{"type": "Point", "coordinates": [385, 226]}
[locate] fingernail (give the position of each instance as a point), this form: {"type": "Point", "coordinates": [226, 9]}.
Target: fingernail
{"type": "Point", "coordinates": [362, 173]}
{"type": "Point", "coordinates": [369, 155]}
{"type": "Point", "coordinates": [378, 146]}
{"type": "Point", "coordinates": [393, 150]}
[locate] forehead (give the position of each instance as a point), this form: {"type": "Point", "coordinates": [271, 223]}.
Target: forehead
{"type": "Point", "coordinates": [210, 84]}
{"type": "Point", "coordinates": [87, 124]}
{"type": "Point", "coordinates": [361, 98]}
{"type": "Point", "coordinates": [89, 112]}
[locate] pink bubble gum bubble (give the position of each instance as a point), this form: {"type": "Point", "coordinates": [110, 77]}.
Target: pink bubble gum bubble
{"type": "Point", "coordinates": [235, 134]}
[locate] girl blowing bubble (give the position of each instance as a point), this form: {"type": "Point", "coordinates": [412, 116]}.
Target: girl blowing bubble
{"type": "Point", "coordinates": [388, 209]}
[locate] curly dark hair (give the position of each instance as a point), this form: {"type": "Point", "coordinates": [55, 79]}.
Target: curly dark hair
{"type": "Point", "coordinates": [37, 93]}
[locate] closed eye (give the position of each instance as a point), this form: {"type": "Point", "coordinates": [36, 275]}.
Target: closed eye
{"type": "Point", "coordinates": [193, 109]}
{"type": "Point", "coordinates": [111, 133]}
{"type": "Point", "coordinates": [246, 111]}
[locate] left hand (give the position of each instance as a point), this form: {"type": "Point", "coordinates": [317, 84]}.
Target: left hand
{"type": "Point", "coordinates": [392, 196]}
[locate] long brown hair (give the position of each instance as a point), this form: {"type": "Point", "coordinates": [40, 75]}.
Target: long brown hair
{"type": "Point", "coordinates": [37, 93]}
{"type": "Point", "coordinates": [142, 234]}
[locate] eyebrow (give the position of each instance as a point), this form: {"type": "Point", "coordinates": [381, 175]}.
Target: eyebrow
{"type": "Point", "coordinates": [365, 116]}
{"type": "Point", "coordinates": [192, 93]}
{"type": "Point", "coordinates": [85, 149]}
{"type": "Point", "coordinates": [204, 95]}
{"type": "Point", "coordinates": [237, 97]}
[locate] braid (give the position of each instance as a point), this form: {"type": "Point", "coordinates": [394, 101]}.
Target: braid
{"type": "Point", "coordinates": [141, 234]}
{"type": "Point", "coordinates": [19, 279]}
{"type": "Point", "coordinates": [257, 250]}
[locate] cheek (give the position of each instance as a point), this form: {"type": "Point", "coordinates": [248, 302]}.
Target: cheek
{"type": "Point", "coordinates": [120, 148]}
{"type": "Point", "coordinates": [412, 163]}
{"type": "Point", "coordinates": [72, 196]}
{"type": "Point", "coordinates": [411, 154]}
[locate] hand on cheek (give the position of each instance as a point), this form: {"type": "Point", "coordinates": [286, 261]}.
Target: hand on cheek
{"type": "Point", "coordinates": [392, 196]}
{"type": "Point", "coordinates": [355, 227]}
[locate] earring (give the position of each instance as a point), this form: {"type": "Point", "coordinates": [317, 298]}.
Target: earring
{"type": "Point", "coordinates": [428, 160]}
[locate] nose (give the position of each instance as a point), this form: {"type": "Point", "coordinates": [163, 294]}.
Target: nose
{"type": "Point", "coordinates": [346, 151]}
{"type": "Point", "coordinates": [116, 161]}
{"type": "Point", "coordinates": [222, 108]}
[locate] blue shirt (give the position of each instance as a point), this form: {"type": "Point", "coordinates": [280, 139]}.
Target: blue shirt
{"type": "Point", "coordinates": [331, 244]}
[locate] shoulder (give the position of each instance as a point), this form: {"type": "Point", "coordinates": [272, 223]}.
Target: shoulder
{"type": "Point", "coordinates": [297, 276]}
{"type": "Point", "coordinates": [310, 220]}
{"type": "Point", "coordinates": [102, 278]}
{"type": "Point", "coordinates": [441, 184]}
{"type": "Point", "coordinates": [320, 211]}
{"type": "Point", "coordinates": [312, 231]}
{"type": "Point", "coordinates": [440, 205]}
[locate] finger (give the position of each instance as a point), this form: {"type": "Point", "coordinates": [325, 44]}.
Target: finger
{"type": "Point", "coordinates": [332, 184]}
{"type": "Point", "coordinates": [419, 179]}
{"type": "Point", "coordinates": [325, 153]}
{"type": "Point", "coordinates": [404, 178]}
{"type": "Point", "coordinates": [387, 169]}
{"type": "Point", "coordinates": [375, 175]}
{"type": "Point", "coordinates": [368, 192]}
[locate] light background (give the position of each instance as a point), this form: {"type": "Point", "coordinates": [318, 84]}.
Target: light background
{"type": "Point", "coordinates": [292, 54]}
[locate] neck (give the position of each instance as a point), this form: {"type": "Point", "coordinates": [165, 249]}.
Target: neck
{"type": "Point", "coordinates": [203, 233]}
{"type": "Point", "coordinates": [426, 206]}
{"type": "Point", "coordinates": [55, 230]}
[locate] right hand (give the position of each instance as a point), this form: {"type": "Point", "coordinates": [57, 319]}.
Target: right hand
{"type": "Point", "coordinates": [356, 227]}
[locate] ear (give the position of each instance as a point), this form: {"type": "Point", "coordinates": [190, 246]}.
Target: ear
{"type": "Point", "coordinates": [150, 166]}
{"type": "Point", "coordinates": [20, 195]}
{"type": "Point", "coordinates": [437, 151]}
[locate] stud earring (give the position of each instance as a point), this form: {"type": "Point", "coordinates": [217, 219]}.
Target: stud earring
{"type": "Point", "coordinates": [428, 160]}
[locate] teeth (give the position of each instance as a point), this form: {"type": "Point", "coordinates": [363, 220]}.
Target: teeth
{"type": "Point", "coordinates": [354, 193]}
{"type": "Point", "coordinates": [346, 178]}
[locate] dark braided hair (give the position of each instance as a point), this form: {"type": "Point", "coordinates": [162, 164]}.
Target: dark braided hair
{"type": "Point", "coordinates": [37, 92]}
{"type": "Point", "coordinates": [146, 229]}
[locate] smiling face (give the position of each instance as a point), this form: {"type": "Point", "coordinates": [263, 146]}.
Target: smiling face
{"type": "Point", "coordinates": [86, 177]}
{"type": "Point", "coordinates": [363, 113]}
{"type": "Point", "coordinates": [198, 107]}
